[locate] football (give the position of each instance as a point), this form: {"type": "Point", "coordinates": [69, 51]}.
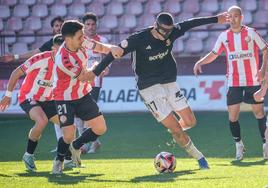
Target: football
{"type": "Point", "coordinates": [165, 162]}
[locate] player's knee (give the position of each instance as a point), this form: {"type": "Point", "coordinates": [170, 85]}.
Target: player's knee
{"type": "Point", "coordinates": [102, 129]}
{"type": "Point", "coordinates": [68, 138]}
{"type": "Point", "coordinates": [41, 122]}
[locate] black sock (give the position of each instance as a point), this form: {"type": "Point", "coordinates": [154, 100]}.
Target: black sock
{"type": "Point", "coordinates": [62, 149]}
{"type": "Point", "coordinates": [31, 145]}
{"type": "Point", "coordinates": [235, 130]}
{"type": "Point", "coordinates": [68, 155]}
{"type": "Point", "coordinates": [87, 136]}
{"type": "Point", "coordinates": [262, 127]}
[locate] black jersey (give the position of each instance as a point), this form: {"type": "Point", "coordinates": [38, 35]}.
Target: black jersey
{"type": "Point", "coordinates": [153, 62]}
{"type": "Point", "coordinates": [47, 46]}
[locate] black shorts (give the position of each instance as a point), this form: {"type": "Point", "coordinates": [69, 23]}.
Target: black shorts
{"type": "Point", "coordinates": [84, 108]}
{"type": "Point", "coordinates": [49, 107]}
{"type": "Point", "coordinates": [237, 95]}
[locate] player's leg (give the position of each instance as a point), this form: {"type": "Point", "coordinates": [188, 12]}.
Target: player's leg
{"type": "Point", "coordinates": [234, 99]}
{"type": "Point", "coordinates": [95, 92]}
{"type": "Point", "coordinates": [65, 110]}
{"type": "Point", "coordinates": [94, 121]}
{"type": "Point", "coordinates": [258, 111]}
{"type": "Point", "coordinates": [156, 101]}
{"type": "Point", "coordinates": [36, 113]}
{"type": "Point", "coordinates": [266, 144]}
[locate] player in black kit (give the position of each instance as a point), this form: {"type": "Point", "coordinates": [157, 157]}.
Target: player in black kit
{"type": "Point", "coordinates": [156, 71]}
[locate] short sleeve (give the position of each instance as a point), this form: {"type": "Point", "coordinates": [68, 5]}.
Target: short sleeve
{"type": "Point", "coordinates": [219, 46]}
{"type": "Point", "coordinates": [259, 40]}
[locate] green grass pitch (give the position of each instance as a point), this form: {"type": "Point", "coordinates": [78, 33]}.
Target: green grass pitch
{"type": "Point", "coordinates": [128, 149]}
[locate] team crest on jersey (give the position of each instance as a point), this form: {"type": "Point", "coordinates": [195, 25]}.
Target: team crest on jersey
{"type": "Point", "coordinates": [247, 39]}
{"type": "Point", "coordinates": [168, 42]}
{"type": "Point", "coordinates": [124, 43]}
{"type": "Point", "coordinates": [63, 118]}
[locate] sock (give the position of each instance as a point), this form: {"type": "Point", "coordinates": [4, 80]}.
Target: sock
{"type": "Point", "coordinates": [58, 131]}
{"type": "Point", "coordinates": [31, 145]}
{"type": "Point", "coordinates": [62, 149]}
{"type": "Point", "coordinates": [235, 130]}
{"type": "Point", "coordinates": [262, 127]}
{"type": "Point", "coordinates": [193, 151]}
{"type": "Point", "coordinates": [87, 136]}
{"type": "Point", "coordinates": [68, 155]}
{"type": "Point", "coordinates": [79, 123]}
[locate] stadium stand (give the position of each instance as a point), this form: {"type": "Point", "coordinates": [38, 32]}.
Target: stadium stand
{"type": "Point", "coordinates": [27, 18]}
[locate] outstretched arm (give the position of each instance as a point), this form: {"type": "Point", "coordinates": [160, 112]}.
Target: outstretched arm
{"type": "Point", "coordinates": [6, 100]}
{"type": "Point", "coordinates": [222, 18]}
{"type": "Point", "coordinates": [209, 58]}
{"type": "Point", "coordinates": [10, 57]}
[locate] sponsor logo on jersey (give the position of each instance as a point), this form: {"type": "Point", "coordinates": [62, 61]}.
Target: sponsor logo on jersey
{"type": "Point", "coordinates": [148, 47]}
{"type": "Point", "coordinates": [158, 56]}
{"type": "Point", "coordinates": [237, 56]}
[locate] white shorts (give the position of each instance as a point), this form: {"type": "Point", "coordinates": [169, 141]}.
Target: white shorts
{"type": "Point", "coordinates": [162, 99]}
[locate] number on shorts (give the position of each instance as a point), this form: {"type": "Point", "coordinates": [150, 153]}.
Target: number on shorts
{"type": "Point", "coordinates": [62, 109]}
{"type": "Point", "coordinates": [152, 106]}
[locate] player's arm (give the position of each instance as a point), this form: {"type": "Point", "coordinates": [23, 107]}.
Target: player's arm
{"type": "Point", "coordinates": [16, 57]}
{"type": "Point", "coordinates": [102, 47]}
{"type": "Point", "coordinates": [209, 58]}
{"type": "Point", "coordinates": [15, 75]}
{"type": "Point", "coordinates": [184, 26]}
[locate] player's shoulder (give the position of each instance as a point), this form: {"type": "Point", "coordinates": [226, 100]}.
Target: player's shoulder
{"type": "Point", "coordinates": [40, 56]}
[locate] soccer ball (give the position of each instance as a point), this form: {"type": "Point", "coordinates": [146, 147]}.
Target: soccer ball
{"type": "Point", "coordinates": [165, 162]}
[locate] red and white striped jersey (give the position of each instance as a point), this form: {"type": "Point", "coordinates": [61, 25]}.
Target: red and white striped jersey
{"type": "Point", "coordinates": [241, 50]}
{"type": "Point", "coordinates": [95, 56]}
{"type": "Point", "coordinates": [69, 65]}
{"type": "Point", "coordinates": [37, 84]}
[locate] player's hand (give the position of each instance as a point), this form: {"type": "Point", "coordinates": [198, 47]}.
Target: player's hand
{"type": "Point", "coordinates": [223, 18]}
{"type": "Point", "coordinates": [90, 76]}
{"type": "Point", "coordinates": [7, 58]}
{"type": "Point", "coordinates": [117, 52]}
{"type": "Point", "coordinates": [259, 95]}
{"type": "Point", "coordinates": [4, 103]}
{"type": "Point", "coordinates": [197, 68]}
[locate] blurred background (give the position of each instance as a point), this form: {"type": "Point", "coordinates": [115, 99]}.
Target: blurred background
{"type": "Point", "coordinates": [25, 25]}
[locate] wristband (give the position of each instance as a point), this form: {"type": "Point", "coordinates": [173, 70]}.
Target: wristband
{"type": "Point", "coordinates": [8, 94]}
{"type": "Point", "coordinates": [16, 56]}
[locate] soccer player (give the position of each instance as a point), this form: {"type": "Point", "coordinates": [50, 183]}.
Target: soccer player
{"type": "Point", "coordinates": [47, 46]}
{"type": "Point", "coordinates": [35, 96]}
{"type": "Point", "coordinates": [240, 44]}
{"type": "Point", "coordinates": [156, 73]}
{"type": "Point", "coordinates": [71, 93]}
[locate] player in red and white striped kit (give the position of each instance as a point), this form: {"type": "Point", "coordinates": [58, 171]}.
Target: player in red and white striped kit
{"type": "Point", "coordinates": [90, 21]}
{"type": "Point", "coordinates": [35, 96]}
{"type": "Point", "coordinates": [71, 92]}
{"type": "Point", "coordinates": [241, 45]}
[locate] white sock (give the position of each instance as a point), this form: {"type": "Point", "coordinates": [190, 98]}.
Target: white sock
{"type": "Point", "coordinates": [193, 151]}
{"type": "Point", "coordinates": [79, 123]}
{"type": "Point", "coordinates": [58, 131]}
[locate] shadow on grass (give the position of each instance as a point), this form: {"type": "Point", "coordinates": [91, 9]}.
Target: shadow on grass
{"type": "Point", "coordinates": [63, 179]}
{"type": "Point", "coordinates": [247, 163]}
{"type": "Point", "coordinates": [166, 177]}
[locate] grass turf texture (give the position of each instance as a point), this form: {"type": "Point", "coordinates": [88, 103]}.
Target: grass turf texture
{"type": "Point", "coordinates": [129, 147]}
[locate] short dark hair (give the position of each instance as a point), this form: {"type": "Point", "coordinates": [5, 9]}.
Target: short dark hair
{"type": "Point", "coordinates": [89, 16]}
{"type": "Point", "coordinates": [70, 27]}
{"type": "Point", "coordinates": [165, 18]}
{"type": "Point", "coordinates": [58, 39]}
{"type": "Point", "coordinates": [58, 18]}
